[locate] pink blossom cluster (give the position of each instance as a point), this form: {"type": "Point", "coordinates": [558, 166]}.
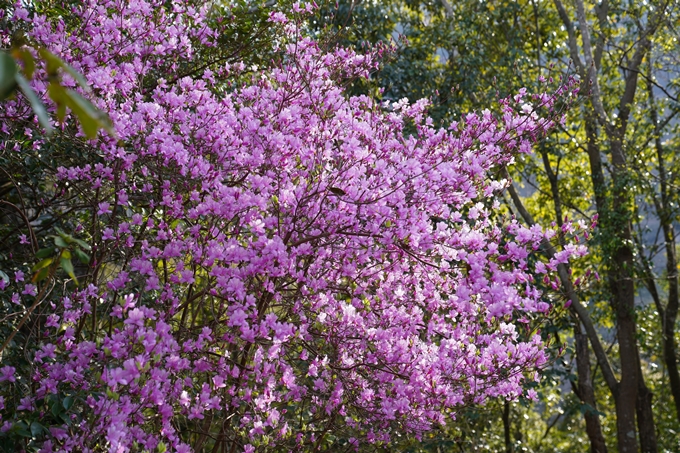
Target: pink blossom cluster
{"type": "Point", "coordinates": [274, 261]}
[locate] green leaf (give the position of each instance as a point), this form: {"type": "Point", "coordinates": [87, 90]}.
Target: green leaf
{"type": "Point", "coordinates": [83, 244]}
{"type": "Point", "coordinates": [36, 103]}
{"type": "Point", "coordinates": [82, 256]}
{"type": "Point", "coordinates": [113, 395]}
{"type": "Point", "coordinates": [56, 408]}
{"type": "Point", "coordinates": [26, 57]}
{"type": "Point", "coordinates": [42, 275]}
{"type": "Point", "coordinates": [8, 72]}
{"type": "Point", "coordinates": [337, 191]}
{"type": "Point", "coordinates": [21, 428]}
{"type": "Point", "coordinates": [67, 265]}
{"type": "Point", "coordinates": [37, 429]}
{"type": "Point", "coordinates": [23, 432]}
{"type": "Point", "coordinates": [174, 224]}
{"type": "Point", "coordinates": [57, 93]}
{"type": "Point", "coordinates": [76, 75]}
{"type": "Point", "coordinates": [60, 242]}
{"type": "Point", "coordinates": [66, 254]}
{"type": "Point", "coordinates": [44, 253]}
{"type": "Point", "coordinates": [65, 418]}
{"type": "Point", "coordinates": [4, 277]}
{"type": "Point", "coordinates": [42, 264]}
{"type": "Point", "coordinates": [53, 62]}
{"type": "Point", "coordinates": [90, 117]}
{"type": "Point", "coordinates": [65, 236]}
{"type": "Point", "coordinates": [68, 402]}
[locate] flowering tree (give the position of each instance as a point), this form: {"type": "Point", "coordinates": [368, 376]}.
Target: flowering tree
{"type": "Point", "coordinates": [264, 262]}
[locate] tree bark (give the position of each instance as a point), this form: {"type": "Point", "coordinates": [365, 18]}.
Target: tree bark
{"type": "Point", "coordinates": [595, 162]}
{"type": "Point", "coordinates": [506, 427]}
{"type": "Point", "coordinates": [648, 443]}
{"type": "Point", "coordinates": [669, 314]}
{"type": "Point", "coordinates": [587, 393]}
{"type": "Point", "coordinates": [616, 222]}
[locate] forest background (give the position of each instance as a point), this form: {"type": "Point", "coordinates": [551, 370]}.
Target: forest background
{"type": "Point", "coordinates": [613, 382]}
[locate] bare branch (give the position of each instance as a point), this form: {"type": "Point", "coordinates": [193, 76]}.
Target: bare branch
{"type": "Point", "coordinates": [591, 69]}
{"type": "Point", "coordinates": [573, 46]}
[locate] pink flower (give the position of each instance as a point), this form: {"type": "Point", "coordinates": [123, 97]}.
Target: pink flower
{"type": "Point", "coordinates": [52, 321]}
{"type": "Point", "coordinates": [108, 234]}
{"type": "Point", "coordinates": [104, 208]}
{"type": "Point", "coordinates": [25, 404]}
{"type": "Point", "coordinates": [136, 317]}
{"type": "Point", "coordinates": [278, 17]}
{"type": "Point", "coordinates": [7, 374]}
{"type": "Point", "coordinates": [30, 290]}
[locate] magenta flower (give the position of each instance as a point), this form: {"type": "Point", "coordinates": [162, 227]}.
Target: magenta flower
{"type": "Point", "coordinates": [104, 208]}
{"type": "Point", "coordinates": [26, 404]}
{"type": "Point", "coordinates": [30, 290]}
{"type": "Point", "coordinates": [7, 374]}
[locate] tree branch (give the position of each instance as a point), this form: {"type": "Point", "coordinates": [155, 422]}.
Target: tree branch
{"type": "Point", "coordinates": [573, 46]}
{"type": "Point", "coordinates": [576, 305]}
{"type": "Point", "coordinates": [591, 69]}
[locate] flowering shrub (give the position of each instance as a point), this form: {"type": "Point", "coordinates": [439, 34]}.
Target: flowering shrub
{"type": "Point", "coordinates": [265, 263]}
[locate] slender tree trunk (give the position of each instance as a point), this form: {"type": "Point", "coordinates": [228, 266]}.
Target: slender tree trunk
{"type": "Point", "coordinates": [669, 315]}
{"type": "Point", "coordinates": [631, 396]}
{"type": "Point", "coordinates": [648, 443]}
{"type": "Point", "coordinates": [585, 390]}
{"type": "Point", "coordinates": [506, 427]}
{"type": "Point", "coordinates": [632, 393]}
{"type": "Point", "coordinates": [616, 224]}
{"type": "Point", "coordinates": [621, 259]}
{"type": "Point", "coordinates": [587, 393]}
{"type": "Point", "coordinates": [595, 161]}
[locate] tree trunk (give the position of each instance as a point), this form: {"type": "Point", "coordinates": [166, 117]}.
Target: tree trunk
{"type": "Point", "coordinates": [585, 389]}
{"type": "Point", "coordinates": [669, 317]}
{"type": "Point", "coordinates": [506, 427]}
{"type": "Point", "coordinates": [587, 393]}
{"type": "Point", "coordinates": [645, 418]}
{"type": "Point", "coordinates": [617, 225]}
{"type": "Point", "coordinates": [669, 314]}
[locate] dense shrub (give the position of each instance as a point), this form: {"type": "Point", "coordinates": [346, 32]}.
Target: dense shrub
{"type": "Point", "coordinates": [254, 261]}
